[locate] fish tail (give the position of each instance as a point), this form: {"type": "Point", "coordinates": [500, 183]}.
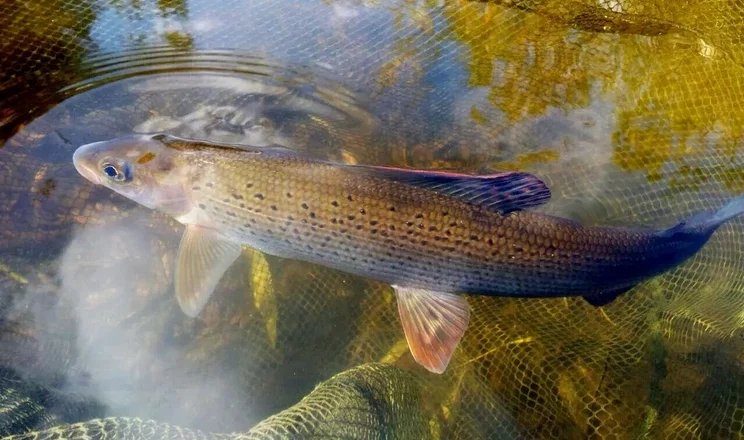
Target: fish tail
{"type": "Point", "coordinates": [708, 221]}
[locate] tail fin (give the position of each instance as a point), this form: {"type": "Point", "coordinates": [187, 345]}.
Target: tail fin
{"type": "Point", "coordinates": [708, 220]}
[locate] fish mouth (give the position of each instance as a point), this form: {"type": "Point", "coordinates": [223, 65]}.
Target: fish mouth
{"type": "Point", "coordinates": [85, 167]}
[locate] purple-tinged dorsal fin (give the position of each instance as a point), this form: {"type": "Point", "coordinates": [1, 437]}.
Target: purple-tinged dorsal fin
{"type": "Point", "coordinates": [505, 192]}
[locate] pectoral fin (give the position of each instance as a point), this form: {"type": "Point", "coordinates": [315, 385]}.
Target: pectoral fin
{"type": "Point", "coordinates": [434, 323]}
{"type": "Point", "coordinates": [203, 257]}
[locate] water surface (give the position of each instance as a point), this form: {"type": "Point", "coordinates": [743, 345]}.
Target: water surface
{"type": "Point", "coordinates": [631, 112]}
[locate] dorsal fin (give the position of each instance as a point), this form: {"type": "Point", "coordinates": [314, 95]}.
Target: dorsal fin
{"type": "Point", "coordinates": [504, 192]}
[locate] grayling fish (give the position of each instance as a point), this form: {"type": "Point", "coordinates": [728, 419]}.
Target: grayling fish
{"type": "Point", "coordinates": [431, 235]}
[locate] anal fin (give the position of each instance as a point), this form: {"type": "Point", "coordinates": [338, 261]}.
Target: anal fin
{"type": "Point", "coordinates": [203, 257]}
{"type": "Point", "coordinates": [604, 298]}
{"type": "Point", "coordinates": [434, 323]}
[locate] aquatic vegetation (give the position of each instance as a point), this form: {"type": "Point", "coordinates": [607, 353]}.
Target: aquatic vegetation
{"type": "Point", "coordinates": [629, 110]}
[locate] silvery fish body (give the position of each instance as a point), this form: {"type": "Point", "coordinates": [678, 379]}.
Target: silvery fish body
{"type": "Point", "coordinates": [429, 234]}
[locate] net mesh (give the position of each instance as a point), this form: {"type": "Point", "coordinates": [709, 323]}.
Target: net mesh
{"type": "Point", "coordinates": [371, 401]}
{"type": "Point", "coordinates": [630, 110]}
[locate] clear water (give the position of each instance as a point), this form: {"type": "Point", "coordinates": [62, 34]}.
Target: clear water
{"type": "Point", "coordinates": [630, 112]}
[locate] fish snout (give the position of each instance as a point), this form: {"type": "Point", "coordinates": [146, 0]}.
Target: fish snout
{"type": "Point", "coordinates": [84, 165]}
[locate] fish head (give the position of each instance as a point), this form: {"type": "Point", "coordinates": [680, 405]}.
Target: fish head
{"type": "Point", "coordinates": [141, 167]}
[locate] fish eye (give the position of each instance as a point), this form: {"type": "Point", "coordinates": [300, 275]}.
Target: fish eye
{"type": "Point", "coordinates": [110, 170]}
{"type": "Point", "coordinates": [116, 173]}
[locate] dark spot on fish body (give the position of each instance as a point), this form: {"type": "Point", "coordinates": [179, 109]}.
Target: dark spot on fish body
{"type": "Point", "coordinates": [249, 185]}
{"type": "Point", "coordinates": [231, 214]}
{"type": "Point", "coordinates": [391, 208]}
{"type": "Point", "coordinates": [432, 228]}
{"type": "Point", "coordinates": [196, 187]}
{"type": "Point", "coordinates": [202, 206]}
{"type": "Point", "coordinates": [237, 196]}
{"type": "Point", "coordinates": [289, 195]}
{"type": "Point", "coordinates": [362, 211]}
{"type": "Point", "coordinates": [209, 185]}
{"type": "Point", "coordinates": [359, 227]}
{"type": "Point", "coordinates": [333, 203]}
{"type": "Point", "coordinates": [259, 196]}
{"type": "Point", "coordinates": [312, 215]}
{"type": "Point", "coordinates": [242, 205]}
{"type": "Point", "coordinates": [419, 215]}
{"type": "Point", "coordinates": [304, 206]}
{"type": "Point", "coordinates": [226, 200]}
{"type": "Point", "coordinates": [350, 217]}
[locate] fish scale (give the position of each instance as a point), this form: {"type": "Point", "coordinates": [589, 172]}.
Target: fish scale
{"type": "Point", "coordinates": [431, 235]}
{"type": "Point", "coordinates": [399, 235]}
